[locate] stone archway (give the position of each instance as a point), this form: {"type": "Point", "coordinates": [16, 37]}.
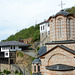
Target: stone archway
{"type": "Point", "coordinates": [59, 59]}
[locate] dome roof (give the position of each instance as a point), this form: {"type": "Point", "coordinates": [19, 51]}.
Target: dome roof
{"type": "Point", "coordinates": [36, 61]}
{"type": "Point", "coordinates": [62, 12]}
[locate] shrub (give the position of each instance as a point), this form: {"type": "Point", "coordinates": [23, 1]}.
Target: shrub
{"type": "Point", "coordinates": [20, 53]}
{"type": "Point", "coordinates": [38, 48]}
{"type": "Point", "coordinates": [0, 72]}
{"type": "Point", "coordinates": [16, 72]}
{"type": "Point", "coordinates": [6, 71]}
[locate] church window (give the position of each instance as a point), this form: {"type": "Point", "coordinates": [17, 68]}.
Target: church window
{"type": "Point", "coordinates": [60, 27]}
{"type": "Point", "coordinates": [34, 68]}
{"type": "Point", "coordinates": [51, 20]}
{"type": "Point", "coordinates": [38, 68]}
{"type": "Point", "coordinates": [70, 28]}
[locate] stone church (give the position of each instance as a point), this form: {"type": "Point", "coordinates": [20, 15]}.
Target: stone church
{"type": "Point", "coordinates": [57, 57]}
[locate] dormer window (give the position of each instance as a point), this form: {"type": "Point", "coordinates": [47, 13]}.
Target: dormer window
{"type": "Point", "coordinates": [11, 47]}
{"type": "Point", "coordinates": [14, 47]}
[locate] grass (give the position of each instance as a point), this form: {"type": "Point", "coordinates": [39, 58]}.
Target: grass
{"type": "Point", "coordinates": [20, 53]}
{"type": "Point", "coordinates": [16, 72]}
{"type": "Point", "coordinates": [6, 71]}
{"type": "Point", "coordinates": [0, 73]}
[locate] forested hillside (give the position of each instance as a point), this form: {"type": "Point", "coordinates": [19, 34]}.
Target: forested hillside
{"type": "Point", "coordinates": [32, 31]}
{"type": "Point", "coordinates": [71, 10]}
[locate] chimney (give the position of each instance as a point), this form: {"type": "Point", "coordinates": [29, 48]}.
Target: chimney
{"type": "Point", "coordinates": [26, 42]}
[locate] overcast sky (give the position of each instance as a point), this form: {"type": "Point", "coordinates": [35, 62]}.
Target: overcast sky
{"type": "Point", "coordinates": [16, 15]}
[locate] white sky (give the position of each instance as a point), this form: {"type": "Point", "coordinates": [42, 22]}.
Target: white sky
{"type": "Point", "coordinates": [16, 15]}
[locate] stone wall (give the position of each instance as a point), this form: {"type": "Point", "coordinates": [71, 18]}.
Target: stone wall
{"type": "Point", "coordinates": [44, 38]}
{"type": "Point", "coordinates": [4, 66]}
{"type": "Point", "coordinates": [65, 28]}
{"type": "Point", "coordinates": [57, 56]}
{"type": "Point", "coordinates": [71, 46]}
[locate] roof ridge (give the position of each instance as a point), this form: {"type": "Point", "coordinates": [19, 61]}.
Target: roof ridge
{"type": "Point", "coordinates": [61, 46]}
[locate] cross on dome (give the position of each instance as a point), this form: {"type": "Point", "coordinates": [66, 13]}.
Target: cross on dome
{"type": "Point", "coordinates": [61, 5]}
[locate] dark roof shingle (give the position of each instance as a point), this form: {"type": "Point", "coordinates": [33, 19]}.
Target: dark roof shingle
{"type": "Point", "coordinates": [42, 50]}
{"type": "Point", "coordinates": [36, 74]}
{"type": "Point", "coordinates": [60, 42]}
{"type": "Point", "coordinates": [36, 61]}
{"type": "Point", "coordinates": [60, 67]}
{"type": "Point", "coordinates": [61, 46]}
{"type": "Point", "coordinates": [13, 43]}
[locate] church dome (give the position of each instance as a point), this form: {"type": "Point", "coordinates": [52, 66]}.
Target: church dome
{"type": "Point", "coordinates": [62, 12]}
{"type": "Point", "coordinates": [36, 61]}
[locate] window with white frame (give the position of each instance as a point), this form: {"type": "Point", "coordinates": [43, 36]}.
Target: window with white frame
{"type": "Point", "coordinates": [12, 47]}
{"type": "Point", "coordinates": [41, 27]}
{"type": "Point", "coordinates": [6, 54]}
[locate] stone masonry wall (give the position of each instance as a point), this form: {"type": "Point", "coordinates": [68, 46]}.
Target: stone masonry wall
{"type": "Point", "coordinates": [71, 46]}
{"type": "Point", "coordinates": [65, 28]}
{"type": "Point", "coordinates": [57, 56]}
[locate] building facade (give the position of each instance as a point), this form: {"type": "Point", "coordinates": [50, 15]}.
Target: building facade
{"type": "Point", "coordinates": [58, 56]}
{"type": "Point", "coordinates": [44, 32]}
{"type": "Point", "coordinates": [8, 51]}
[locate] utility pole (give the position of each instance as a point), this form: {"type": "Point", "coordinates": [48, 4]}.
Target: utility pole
{"type": "Point", "coordinates": [35, 22]}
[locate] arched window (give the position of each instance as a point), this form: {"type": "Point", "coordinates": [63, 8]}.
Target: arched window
{"type": "Point", "coordinates": [38, 68]}
{"type": "Point", "coordinates": [43, 27]}
{"type": "Point", "coordinates": [60, 27]}
{"type": "Point", "coordinates": [34, 68]}
{"type": "Point", "coordinates": [70, 28]}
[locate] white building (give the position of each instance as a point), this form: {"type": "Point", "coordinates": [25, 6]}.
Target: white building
{"type": "Point", "coordinates": [44, 32]}
{"type": "Point", "coordinates": [8, 50]}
